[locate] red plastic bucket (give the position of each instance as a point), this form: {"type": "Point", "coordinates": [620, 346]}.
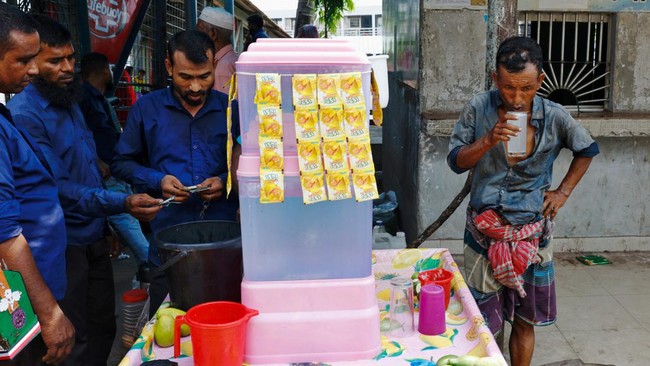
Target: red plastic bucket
{"type": "Point", "coordinates": [440, 277]}
{"type": "Point", "coordinates": [218, 332]}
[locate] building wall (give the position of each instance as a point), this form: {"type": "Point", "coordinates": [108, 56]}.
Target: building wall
{"type": "Point", "coordinates": [612, 200]}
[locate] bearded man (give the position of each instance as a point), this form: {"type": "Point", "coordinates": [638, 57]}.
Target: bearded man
{"type": "Point", "coordinates": [175, 138]}
{"type": "Point", "coordinates": [48, 112]}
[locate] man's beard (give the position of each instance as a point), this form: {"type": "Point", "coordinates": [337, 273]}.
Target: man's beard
{"type": "Point", "coordinates": [63, 97]}
{"type": "Point", "coordinates": [185, 96]}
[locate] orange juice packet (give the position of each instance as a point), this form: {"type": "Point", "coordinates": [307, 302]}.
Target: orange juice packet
{"type": "Point", "coordinates": [306, 124]}
{"type": "Point", "coordinates": [360, 155]}
{"type": "Point", "coordinates": [352, 89]}
{"type": "Point", "coordinates": [313, 188]}
{"type": "Point", "coordinates": [271, 154]}
{"type": "Point", "coordinates": [309, 157]}
{"type": "Point", "coordinates": [304, 91]}
{"type": "Point", "coordinates": [270, 120]}
{"type": "Point", "coordinates": [338, 186]}
{"type": "Point", "coordinates": [331, 123]}
{"type": "Point", "coordinates": [271, 186]}
{"type": "Point", "coordinates": [268, 89]}
{"type": "Point", "coordinates": [328, 90]}
{"type": "Point", "coordinates": [335, 156]}
{"type": "Point", "coordinates": [356, 121]}
{"type": "Point", "coordinates": [365, 186]}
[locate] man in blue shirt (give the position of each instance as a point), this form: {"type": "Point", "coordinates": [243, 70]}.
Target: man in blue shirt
{"type": "Point", "coordinates": [176, 137]}
{"type": "Point", "coordinates": [511, 204]}
{"type": "Point", "coordinates": [32, 230]}
{"type": "Point", "coordinates": [48, 111]}
{"type": "Point", "coordinates": [255, 30]}
{"type": "Point", "coordinates": [102, 121]}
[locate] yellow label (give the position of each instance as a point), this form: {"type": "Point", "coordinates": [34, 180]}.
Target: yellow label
{"type": "Point", "coordinates": [356, 121]}
{"type": "Point", "coordinates": [270, 121]}
{"type": "Point", "coordinates": [309, 157]}
{"type": "Point", "coordinates": [268, 89]}
{"type": "Point", "coordinates": [365, 186]}
{"type": "Point", "coordinates": [313, 187]}
{"type": "Point", "coordinates": [352, 89]}
{"type": "Point", "coordinates": [306, 124]}
{"type": "Point", "coordinates": [271, 154]}
{"type": "Point", "coordinates": [360, 155]}
{"type": "Point", "coordinates": [304, 91]}
{"type": "Point", "coordinates": [328, 90]}
{"type": "Point", "coordinates": [331, 123]}
{"type": "Point", "coordinates": [271, 186]}
{"type": "Point", "coordinates": [338, 186]}
{"type": "Point", "coordinates": [335, 156]}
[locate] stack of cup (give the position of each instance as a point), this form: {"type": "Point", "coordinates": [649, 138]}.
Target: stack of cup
{"type": "Point", "coordinates": [432, 310]}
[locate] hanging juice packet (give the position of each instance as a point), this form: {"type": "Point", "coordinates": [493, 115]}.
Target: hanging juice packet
{"type": "Point", "coordinates": [271, 186]}
{"type": "Point", "coordinates": [328, 90]}
{"type": "Point", "coordinates": [331, 123]}
{"type": "Point", "coordinates": [365, 186]}
{"type": "Point", "coordinates": [335, 156]}
{"type": "Point", "coordinates": [356, 121]}
{"type": "Point", "coordinates": [352, 89]}
{"type": "Point", "coordinates": [306, 124]}
{"type": "Point", "coordinates": [268, 89]}
{"type": "Point", "coordinates": [271, 154]}
{"type": "Point", "coordinates": [270, 121]}
{"type": "Point", "coordinates": [309, 157]}
{"type": "Point", "coordinates": [338, 186]}
{"type": "Point", "coordinates": [360, 155]}
{"type": "Point", "coordinates": [313, 187]}
{"type": "Point", "coordinates": [304, 91]}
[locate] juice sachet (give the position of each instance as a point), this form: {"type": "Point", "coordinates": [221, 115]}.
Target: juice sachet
{"type": "Point", "coordinates": [271, 154]}
{"type": "Point", "coordinates": [328, 90]}
{"type": "Point", "coordinates": [338, 186]}
{"type": "Point", "coordinates": [365, 186]}
{"type": "Point", "coordinates": [335, 156]}
{"type": "Point", "coordinates": [356, 121]}
{"type": "Point", "coordinates": [360, 155]}
{"type": "Point", "coordinates": [271, 186]}
{"type": "Point", "coordinates": [331, 123]}
{"type": "Point", "coordinates": [268, 89]}
{"type": "Point", "coordinates": [352, 89]}
{"type": "Point", "coordinates": [304, 91]}
{"type": "Point", "coordinates": [309, 157]}
{"type": "Point", "coordinates": [313, 187]}
{"type": "Point", "coordinates": [306, 124]}
{"type": "Point", "coordinates": [270, 120]}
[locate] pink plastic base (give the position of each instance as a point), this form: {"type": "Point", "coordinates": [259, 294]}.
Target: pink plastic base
{"type": "Point", "coordinates": [312, 321]}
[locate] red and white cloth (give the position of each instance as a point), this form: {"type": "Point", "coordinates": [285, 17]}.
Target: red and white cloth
{"type": "Point", "coordinates": [512, 248]}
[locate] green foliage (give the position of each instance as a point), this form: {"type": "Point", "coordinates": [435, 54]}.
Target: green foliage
{"type": "Point", "coordinates": [330, 12]}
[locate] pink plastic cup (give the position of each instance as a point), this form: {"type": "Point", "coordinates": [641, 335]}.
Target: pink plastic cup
{"type": "Point", "coordinates": [440, 277]}
{"type": "Point", "coordinates": [432, 310]}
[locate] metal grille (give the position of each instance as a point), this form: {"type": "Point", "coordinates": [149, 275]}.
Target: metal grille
{"type": "Point", "coordinates": [63, 11]}
{"type": "Point", "coordinates": [576, 57]}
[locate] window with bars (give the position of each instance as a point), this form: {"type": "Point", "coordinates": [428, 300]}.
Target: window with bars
{"type": "Point", "coordinates": [576, 57]}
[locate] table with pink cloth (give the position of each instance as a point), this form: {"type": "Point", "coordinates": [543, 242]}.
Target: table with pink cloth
{"type": "Point", "coordinates": [466, 331]}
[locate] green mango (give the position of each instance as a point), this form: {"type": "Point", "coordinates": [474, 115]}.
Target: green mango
{"type": "Point", "coordinates": [446, 360]}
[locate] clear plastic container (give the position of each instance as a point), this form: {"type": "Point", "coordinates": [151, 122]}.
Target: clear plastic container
{"type": "Point", "coordinates": [294, 241]}
{"type": "Point", "coordinates": [135, 307]}
{"type": "Point", "coordinates": [288, 63]}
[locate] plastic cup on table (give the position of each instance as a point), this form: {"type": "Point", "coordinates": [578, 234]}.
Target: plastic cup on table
{"type": "Point", "coordinates": [439, 276]}
{"type": "Point", "coordinates": [432, 319]}
{"type": "Point", "coordinates": [401, 312]}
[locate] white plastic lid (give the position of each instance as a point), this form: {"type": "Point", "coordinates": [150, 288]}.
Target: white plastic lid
{"type": "Point", "coordinates": [303, 46]}
{"type": "Point", "coordinates": [273, 58]}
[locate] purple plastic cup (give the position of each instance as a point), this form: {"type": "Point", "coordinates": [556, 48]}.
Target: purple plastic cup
{"type": "Point", "coordinates": [432, 310]}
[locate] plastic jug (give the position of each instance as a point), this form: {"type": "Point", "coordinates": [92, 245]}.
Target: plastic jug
{"type": "Point", "coordinates": [218, 332]}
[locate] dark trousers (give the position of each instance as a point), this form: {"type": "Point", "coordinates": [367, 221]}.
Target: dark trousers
{"type": "Point", "coordinates": [158, 289]}
{"type": "Point", "coordinates": [89, 303]}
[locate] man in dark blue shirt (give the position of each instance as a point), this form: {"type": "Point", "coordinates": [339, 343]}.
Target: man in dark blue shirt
{"type": "Point", "coordinates": [255, 30]}
{"type": "Point", "coordinates": [180, 132]}
{"type": "Point", "coordinates": [32, 230]}
{"type": "Point", "coordinates": [48, 111]}
{"type": "Point", "coordinates": [102, 121]}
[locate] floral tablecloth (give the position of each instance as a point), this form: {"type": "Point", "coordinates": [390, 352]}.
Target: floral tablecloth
{"type": "Point", "coordinates": [466, 331]}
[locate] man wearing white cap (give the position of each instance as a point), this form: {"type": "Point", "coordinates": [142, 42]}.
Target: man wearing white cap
{"type": "Point", "coordinates": [218, 24]}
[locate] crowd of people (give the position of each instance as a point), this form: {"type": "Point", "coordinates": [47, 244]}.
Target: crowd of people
{"type": "Point", "coordinates": [69, 171]}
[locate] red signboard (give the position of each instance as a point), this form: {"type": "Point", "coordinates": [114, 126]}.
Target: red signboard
{"type": "Point", "coordinates": [110, 23]}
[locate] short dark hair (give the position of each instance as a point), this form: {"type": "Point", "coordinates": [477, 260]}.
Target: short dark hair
{"type": "Point", "coordinates": [52, 33]}
{"type": "Point", "coordinates": [515, 52]}
{"type": "Point", "coordinates": [93, 63]}
{"type": "Point", "coordinates": [193, 44]}
{"type": "Point", "coordinates": [256, 19]}
{"type": "Point", "coordinates": [12, 19]}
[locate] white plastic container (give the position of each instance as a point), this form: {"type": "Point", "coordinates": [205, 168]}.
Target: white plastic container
{"type": "Point", "coordinates": [294, 241]}
{"type": "Point", "coordinates": [380, 67]}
